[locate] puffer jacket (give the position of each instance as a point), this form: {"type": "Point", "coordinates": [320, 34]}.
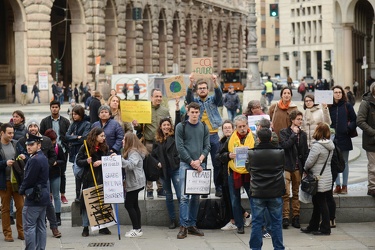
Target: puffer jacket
{"type": "Point", "coordinates": [366, 121]}
{"type": "Point", "coordinates": [341, 113]}
{"type": "Point", "coordinates": [315, 161]}
{"type": "Point", "coordinates": [311, 119]}
{"type": "Point", "coordinates": [134, 174]}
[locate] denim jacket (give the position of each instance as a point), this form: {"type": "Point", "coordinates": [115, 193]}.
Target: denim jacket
{"type": "Point", "coordinates": [210, 104]}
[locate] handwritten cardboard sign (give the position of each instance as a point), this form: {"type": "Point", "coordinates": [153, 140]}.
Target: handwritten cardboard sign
{"type": "Point", "coordinates": [100, 214]}
{"type": "Point", "coordinates": [112, 179]}
{"type": "Point", "coordinates": [202, 67]}
{"type": "Point", "coordinates": [175, 86]}
{"type": "Point", "coordinates": [197, 183]}
{"type": "Point", "coordinates": [136, 110]}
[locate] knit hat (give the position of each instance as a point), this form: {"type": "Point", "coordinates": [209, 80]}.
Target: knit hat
{"type": "Point", "coordinates": [32, 121]}
{"type": "Point", "coordinates": [105, 107]}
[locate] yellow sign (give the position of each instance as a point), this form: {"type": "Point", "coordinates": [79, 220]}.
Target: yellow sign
{"type": "Point", "coordinates": [136, 110]}
{"type": "Point", "coordinates": [175, 87]}
{"type": "Point", "coordinates": [202, 67]}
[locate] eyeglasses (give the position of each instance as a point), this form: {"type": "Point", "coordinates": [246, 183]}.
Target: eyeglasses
{"type": "Point", "coordinates": [337, 92]}
{"type": "Point", "coordinates": [202, 88]}
{"type": "Point", "coordinates": [309, 101]}
{"type": "Point", "coordinates": [256, 107]}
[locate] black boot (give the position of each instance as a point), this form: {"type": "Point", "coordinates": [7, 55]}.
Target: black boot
{"type": "Point", "coordinates": [58, 219]}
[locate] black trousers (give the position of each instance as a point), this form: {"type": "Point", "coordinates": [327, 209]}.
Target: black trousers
{"type": "Point", "coordinates": [131, 205]}
{"type": "Point", "coordinates": [320, 208]}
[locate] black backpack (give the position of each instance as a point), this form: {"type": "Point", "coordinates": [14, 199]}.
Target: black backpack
{"type": "Point", "coordinates": [151, 169]}
{"type": "Point", "coordinates": [211, 214]}
{"type": "Point", "coordinates": [337, 162]}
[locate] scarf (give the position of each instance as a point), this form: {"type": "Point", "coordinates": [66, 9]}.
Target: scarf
{"type": "Point", "coordinates": [235, 141]}
{"type": "Point", "coordinates": [283, 106]}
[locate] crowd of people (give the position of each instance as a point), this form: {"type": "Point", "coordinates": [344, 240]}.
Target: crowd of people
{"type": "Point", "coordinates": [303, 141]}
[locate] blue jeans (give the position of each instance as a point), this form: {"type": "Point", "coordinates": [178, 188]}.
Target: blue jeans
{"type": "Point", "coordinates": [34, 227]}
{"type": "Point", "coordinates": [85, 218]}
{"type": "Point", "coordinates": [345, 174]}
{"type": "Point", "coordinates": [174, 177]}
{"type": "Point", "coordinates": [275, 208]}
{"type": "Point", "coordinates": [55, 190]}
{"type": "Point", "coordinates": [189, 204]}
{"type": "Point", "coordinates": [235, 199]}
{"type": "Point", "coordinates": [231, 114]}
{"type": "Point", "coordinates": [215, 146]}
{"type": "Point", "coordinates": [36, 95]}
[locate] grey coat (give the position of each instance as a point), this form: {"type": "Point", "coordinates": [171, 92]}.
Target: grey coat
{"type": "Point", "coordinates": [134, 174]}
{"type": "Point", "coordinates": [315, 161]}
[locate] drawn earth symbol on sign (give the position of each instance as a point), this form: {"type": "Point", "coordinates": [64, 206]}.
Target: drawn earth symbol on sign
{"type": "Point", "coordinates": [175, 87]}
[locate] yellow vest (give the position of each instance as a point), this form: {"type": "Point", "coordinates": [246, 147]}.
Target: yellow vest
{"type": "Point", "coordinates": [269, 88]}
{"type": "Point", "coordinates": [235, 141]}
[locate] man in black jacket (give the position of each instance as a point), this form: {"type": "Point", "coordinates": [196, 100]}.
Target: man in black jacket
{"type": "Point", "coordinates": [294, 142]}
{"type": "Point", "coordinates": [48, 150]}
{"type": "Point", "coordinates": [267, 186]}
{"type": "Point", "coordinates": [60, 125]}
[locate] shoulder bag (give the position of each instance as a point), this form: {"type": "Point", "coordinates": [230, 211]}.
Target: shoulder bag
{"type": "Point", "coordinates": [309, 183]}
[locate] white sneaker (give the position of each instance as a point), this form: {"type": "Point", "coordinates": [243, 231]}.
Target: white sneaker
{"type": "Point", "coordinates": [229, 226]}
{"type": "Point", "coordinates": [134, 233]}
{"type": "Point", "coordinates": [247, 221]}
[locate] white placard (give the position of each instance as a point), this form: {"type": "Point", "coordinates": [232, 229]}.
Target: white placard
{"type": "Point", "coordinates": [197, 182]}
{"type": "Point", "coordinates": [254, 119]}
{"type": "Point", "coordinates": [324, 96]}
{"type": "Point", "coordinates": [43, 79]}
{"type": "Point", "coordinates": [112, 179]}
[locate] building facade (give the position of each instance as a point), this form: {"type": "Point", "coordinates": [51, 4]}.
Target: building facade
{"type": "Point", "coordinates": [169, 33]}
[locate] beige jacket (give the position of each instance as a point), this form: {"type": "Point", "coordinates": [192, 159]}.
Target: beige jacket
{"type": "Point", "coordinates": [280, 118]}
{"type": "Point", "coordinates": [311, 119]}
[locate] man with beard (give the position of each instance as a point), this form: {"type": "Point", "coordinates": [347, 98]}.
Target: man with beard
{"type": "Point", "coordinates": [49, 151]}
{"type": "Point", "coordinates": [209, 114]}
{"type": "Point", "coordinates": [149, 131]}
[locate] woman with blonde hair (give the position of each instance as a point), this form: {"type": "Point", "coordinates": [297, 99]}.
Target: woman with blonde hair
{"type": "Point", "coordinates": [133, 155]}
{"type": "Point", "coordinates": [114, 104]}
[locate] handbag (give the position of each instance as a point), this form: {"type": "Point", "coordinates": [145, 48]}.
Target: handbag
{"type": "Point", "coordinates": [309, 183]}
{"type": "Point", "coordinates": [351, 133]}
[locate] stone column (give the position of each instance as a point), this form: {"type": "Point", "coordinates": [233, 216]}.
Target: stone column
{"type": "Point", "coordinates": [338, 55]}
{"type": "Point", "coordinates": [348, 55]}
{"type": "Point", "coordinates": [20, 38]}
{"type": "Point", "coordinates": [314, 64]}
{"type": "Point", "coordinates": [79, 57]}
{"type": "Point", "coordinates": [252, 51]}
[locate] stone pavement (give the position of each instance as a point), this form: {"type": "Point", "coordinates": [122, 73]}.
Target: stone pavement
{"type": "Point", "coordinates": [345, 236]}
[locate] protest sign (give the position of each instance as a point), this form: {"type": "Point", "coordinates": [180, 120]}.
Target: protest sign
{"type": "Point", "coordinates": [254, 119]}
{"type": "Point", "coordinates": [100, 214]}
{"type": "Point", "coordinates": [241, 156]}
{"type": "Point", "coordinates": [175, 86]}
{"type": "Point", "coordinates": [136, 110]}
{"type": "Point", "coordinates": [202, 67]}
{"type": "Point", "coordinates": [112, 179]}
{"type": "Point", "coordinates": [197, 182]}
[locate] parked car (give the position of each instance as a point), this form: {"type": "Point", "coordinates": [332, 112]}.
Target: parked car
{"type": "Point", "coordinates": [310, 83]}
{"type": "Point", "coordinates": [295, 84]}
{"type": "Point", "coordinates": [281, 83]}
